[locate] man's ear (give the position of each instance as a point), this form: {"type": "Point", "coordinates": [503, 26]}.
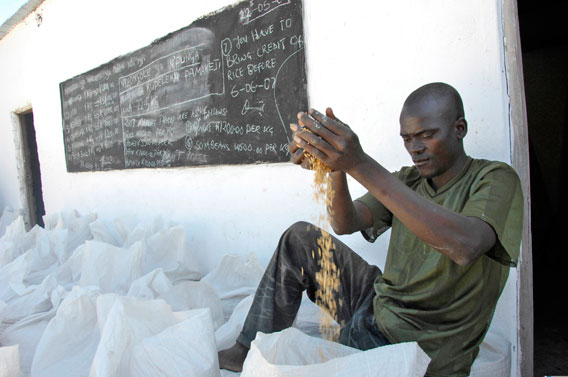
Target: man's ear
{"type": "Point", "coordinates": [461, 128]}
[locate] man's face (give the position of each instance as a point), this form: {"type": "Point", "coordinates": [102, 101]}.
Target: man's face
{"type": "Point", "coordinates": [434, 144]}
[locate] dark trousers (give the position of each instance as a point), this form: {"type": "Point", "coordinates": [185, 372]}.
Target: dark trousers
{"type": "Point", "coordinates": [292, 270]}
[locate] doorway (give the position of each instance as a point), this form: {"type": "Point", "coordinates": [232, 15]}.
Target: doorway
{"type": "Point", "coordinates": [32, 189]}
{"type": "Point", "coordinates": [544, 41]}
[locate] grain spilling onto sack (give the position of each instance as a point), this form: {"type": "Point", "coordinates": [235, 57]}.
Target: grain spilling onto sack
{"type": "Point", "coordinates": [328, 277]}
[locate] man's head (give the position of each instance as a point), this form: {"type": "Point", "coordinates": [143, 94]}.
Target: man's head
{"type": "Point", "coordinates": [433, 126]}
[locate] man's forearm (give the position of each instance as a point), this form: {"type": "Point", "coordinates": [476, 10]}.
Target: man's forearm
{"type": "Point", "coordinates": [344, 218]}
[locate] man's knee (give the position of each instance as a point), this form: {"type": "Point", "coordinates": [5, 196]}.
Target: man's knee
{"type": "Point", "coordinates": [298, 237]}
{"type": "Point", "coordinates": [301, 227]}
{"type": "Point", "coordinates": [301, 231]}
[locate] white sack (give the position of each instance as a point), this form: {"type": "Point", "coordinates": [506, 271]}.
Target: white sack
{"type": "Point", "coordinates": [234, 280]}
{"type": "Point", "coordinates": [46, 249]}
{"type": "Point", "coordinates": [111, 268]}
{"type": "Point", "coordinates": [227, 334]}
{"type": "Point", "coordinates": [168, 249]}
{"type": "Point", "coordinates": [70, 340]}
{"type": "Point", "coordinates": [26, 333]}
{"type": "Point", "coordinates": [182, 296]}
{"type": "Point", "coordinates": [37, 299]}
{"type": "Point", "coordinates": [9, 361]}
{"type": "Point", "coordinates": [103, 232]}
{"type": "Point", "coordinates": [34, 256]}
{"type": "Point", "coordinates": [150, 286]}
{"type": "Point", "coordinates": [143, 232]}
{"type": "Point", "coordinates": [295, 354]}
{"type": "Point", "coordinates": [59, 244]}
{"type": "Point", "coordinates": [11, 242]}
{"type": "Point", "coordinates": [8, 252]}
{"type": "Point", "coordinates": [27, 256]}
{"type": "Point", "coordinates": [185, 349]}
{"type": "Point", "coordinates": [2, 306]}
{"type": "Point", "coordinates": [12, 277]}
{"type": "Point", "coordinates": [76, 224]}
{"type": "Point", "coordinates": [125, 322]}
{"type": "Point", "coordinates": [494, 358]}
{"type": "Point", "coordinates": [7, 217]}
{"type": "Point", "coordinates": [187, 295]}
{"type": "Point", "coordinates": [66, 275]}
{"type": "Point", "coordinates": [31, 268]}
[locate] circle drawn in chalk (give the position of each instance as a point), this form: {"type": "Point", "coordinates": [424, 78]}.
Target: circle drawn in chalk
{"type": "Point", "coordinates": [188, 143]}
{"type": "Point", "coordinates": [226, 46]}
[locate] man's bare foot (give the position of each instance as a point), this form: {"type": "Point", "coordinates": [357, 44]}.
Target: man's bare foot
{"type": "Point", "coordinates": [233, 358]}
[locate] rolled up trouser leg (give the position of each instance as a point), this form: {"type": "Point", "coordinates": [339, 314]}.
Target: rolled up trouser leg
{"type": "Point", "coordinates": [293, 269]}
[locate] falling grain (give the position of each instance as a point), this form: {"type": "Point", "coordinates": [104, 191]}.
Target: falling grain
{"type": "Point", "coordinates": [328, 277]}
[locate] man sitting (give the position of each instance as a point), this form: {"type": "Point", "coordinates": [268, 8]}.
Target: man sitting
{"type": "Point", "coordinates": [456, 229]}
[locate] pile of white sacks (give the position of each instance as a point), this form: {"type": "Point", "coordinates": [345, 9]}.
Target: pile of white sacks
{"type": "Point", "coordinates": [83, 297]}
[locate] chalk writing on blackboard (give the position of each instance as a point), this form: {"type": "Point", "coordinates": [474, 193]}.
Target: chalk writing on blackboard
{"type": "Point", "coordinates": [221, 91]}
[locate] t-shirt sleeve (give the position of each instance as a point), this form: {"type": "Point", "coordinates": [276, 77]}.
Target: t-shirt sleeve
{"type": "Point", "coordinates": [382, 217]}
{"type": "Point", "coordinates": [497, 199]}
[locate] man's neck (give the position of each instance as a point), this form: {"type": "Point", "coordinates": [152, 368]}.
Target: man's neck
{"type": "Point", "coordinates": [441, 180]}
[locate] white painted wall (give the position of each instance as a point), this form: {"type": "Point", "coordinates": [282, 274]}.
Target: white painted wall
{"type": "Point", "coordinates": [363, 60]}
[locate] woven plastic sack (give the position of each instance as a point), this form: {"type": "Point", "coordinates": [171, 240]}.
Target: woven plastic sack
{"type": "Point", "coordinates": [142, 232]}
{"type": "Point", "coordinates": [77, 226]}
{"type": "Point", "coordinates": [233, 280]}
{"type": "Point", "coordinates": [137, 338]}
{"type": "Point", "coordinates": [494, 358]}
{"type": "Point", "coordinates": [36, 299]}
{"type": "Point", "coordinates": [291, 353]}
{"type": "Point", "coordinates": [31, 268]}
{"type": "Point", "coordinates": [111, 268]}
{"type": "Point", "coordinates": [181, 296]}
{"type": "Point", "coordinates": [11, 241]}
{"type": "Point", "coordinates": [76, 323]}
{"type": "Point", "coordinates": [169, 250]}
{"type": "Point", "coordinates": [184, 349]}
{"type": "Point", "coordinates": [2, 306]}
{"type": "Point", "coordinates": [227, 334]}
{"type": "Point", "coordinates": [26, 334]}
{"type": "Point", "coordinates": [107, 233]}
{"type": "Point", "coordinates": [124, 322]}
{"type": "Point", "coordinates": [9, 361]}
{"type": "Point", "coordinates": [7, 217]}
{"type": "Point", "coordinates": [165, 247]}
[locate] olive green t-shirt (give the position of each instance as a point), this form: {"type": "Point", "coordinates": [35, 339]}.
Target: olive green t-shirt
{"type": "Point", "coordinates": [423, 295]}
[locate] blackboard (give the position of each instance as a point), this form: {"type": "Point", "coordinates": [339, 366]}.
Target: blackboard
{"type": "Point", "coordinates": [221, 91]}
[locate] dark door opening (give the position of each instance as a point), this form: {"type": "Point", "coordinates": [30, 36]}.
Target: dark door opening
{"type": "Point", "coordinates": [544, 40]}
{"type": "Point", "coordinates": [32, 171]}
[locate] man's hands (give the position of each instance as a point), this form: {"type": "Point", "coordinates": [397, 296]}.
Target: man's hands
{"type": "Point", "coordinates": [332, 141]}
{"type": "Point", "coordinates": [326, 138]}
